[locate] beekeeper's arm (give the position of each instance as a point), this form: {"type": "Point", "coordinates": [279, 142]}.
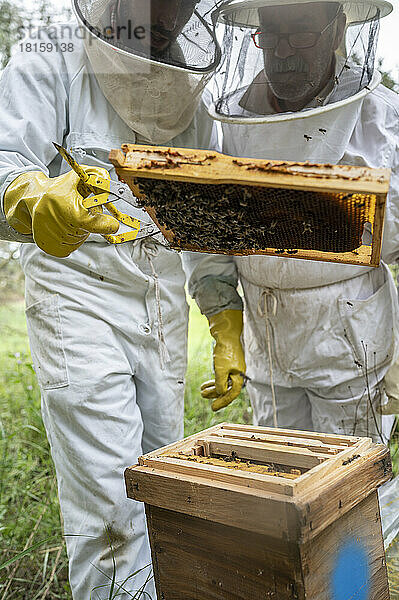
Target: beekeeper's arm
{"type": "Point", "coordinates": [212, 282]}
{"type": "Point", "coordinates": [391, 255]}
{"type": "Point", "coordinates": [33, 114]}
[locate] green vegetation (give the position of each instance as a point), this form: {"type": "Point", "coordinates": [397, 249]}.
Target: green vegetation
{"type": "Point", "coordinates": [33, 564]}
{"type": "Point", "coordinates": [198, 414]}
{"type": "Point", "coordinates": [29, 512]}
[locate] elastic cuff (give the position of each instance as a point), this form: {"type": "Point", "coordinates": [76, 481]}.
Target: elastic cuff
{"type": "Point", "coordinates": [213, 295]}
{"type": "Point", "coordinates": [11, 178]}
{"type": "Point", "coordinates": [9, 234]}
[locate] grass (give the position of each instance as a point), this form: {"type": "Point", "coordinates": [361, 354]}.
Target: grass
{"type": "Point", "coordinates": [30, 531]}
{"type": "Point", "coordinates": [198, 414]}
{"type": "Point", "coordinates": [33, 564]}
{"type": "Point", "coordinates": [29, 513]}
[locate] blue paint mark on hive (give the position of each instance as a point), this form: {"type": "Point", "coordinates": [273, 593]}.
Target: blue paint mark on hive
{"type": "Point", "coordinates": [350, 577]}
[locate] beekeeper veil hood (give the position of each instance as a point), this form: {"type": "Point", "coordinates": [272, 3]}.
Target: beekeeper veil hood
{"type": "Point", "coordinates": [152, 59]}
{"type": "Point", "coordinates": [284, 59]}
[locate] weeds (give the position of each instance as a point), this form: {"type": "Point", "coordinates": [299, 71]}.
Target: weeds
{"type": "Point", "coordinates": [29, 513]}
{"type": "Point", "coordinates": [33, 564]}
{"type": "Point", "coordinates": [198, 412]}
{"type": "Point", "coordinates": [116, 589]}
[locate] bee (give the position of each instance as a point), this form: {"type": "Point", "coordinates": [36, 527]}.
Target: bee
{"type": "Point", "coordinates": [272, 227]}
{"type": "Point", "coordinates": [307, 227]}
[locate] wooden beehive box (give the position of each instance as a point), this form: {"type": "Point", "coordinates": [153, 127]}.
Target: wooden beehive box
{"type": "Point", "coordinates": [209, 202]}
{"type": "Point", "coordinates": [253, 513]}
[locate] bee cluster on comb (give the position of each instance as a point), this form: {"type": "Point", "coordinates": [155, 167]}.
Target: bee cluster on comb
{"type": "Point", "coordinates": [242, 219]}
{"type": "Point", "coordinates": [209, 202]}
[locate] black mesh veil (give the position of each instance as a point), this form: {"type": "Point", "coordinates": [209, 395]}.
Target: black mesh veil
{"type": "Point", "coordinates": [152, 59]}
{"type": "Point", "coordinates": [287, 57]}
{"type": "Point", "coordinates": [178, 33]}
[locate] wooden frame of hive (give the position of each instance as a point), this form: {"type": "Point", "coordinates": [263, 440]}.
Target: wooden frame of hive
{"type": "Point", "coordinates": [229, 532]}
{"type": "Point", "coordinates": [203, 167]}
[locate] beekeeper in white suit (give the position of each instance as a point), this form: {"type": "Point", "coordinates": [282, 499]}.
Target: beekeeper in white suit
{"type": "Point", "coordinates": [299, 84]}
{"type": "Point", "coordinates": [102, 318]}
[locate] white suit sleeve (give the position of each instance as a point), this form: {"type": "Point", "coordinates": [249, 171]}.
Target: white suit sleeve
{"type": "Point", "coordinates": [33, 114]}
{"type": "Point", "coordinates": [212, 282]}
{"type": "Point", "coordinates": [390, 248]}
{"type": "Point", "coordinates": [212, 278]}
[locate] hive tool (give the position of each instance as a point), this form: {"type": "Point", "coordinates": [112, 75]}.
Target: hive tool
{"type": "Point", "coordinates": [99, 192]}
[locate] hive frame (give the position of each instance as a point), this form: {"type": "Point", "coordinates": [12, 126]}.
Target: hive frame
{"type": "Point", "coordinates": [332, 460]}
{"type": "Point", "coordinates": [185, 165]}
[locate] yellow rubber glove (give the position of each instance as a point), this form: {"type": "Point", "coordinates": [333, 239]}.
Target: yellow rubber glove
{"type": "Point", "coordinates": [51, 210]}
{"type": "Point", "coordinates": [391, 384]}
{"type": "Point", "coordinates": [228, 359]}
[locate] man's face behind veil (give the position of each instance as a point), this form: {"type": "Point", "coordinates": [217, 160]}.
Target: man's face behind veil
{"type": "Point", "coordinates": [154, 24]}
{"type": "Point", "coordinates": [296, 75]}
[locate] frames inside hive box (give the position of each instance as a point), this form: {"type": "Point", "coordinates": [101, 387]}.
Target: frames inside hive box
{"type": "Point", "coordinates": [238, 512]}
{"type": "Point", "coordinates": [208, 202]}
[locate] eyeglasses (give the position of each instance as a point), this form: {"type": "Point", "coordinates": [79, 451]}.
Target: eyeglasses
{"type": "Point", "coordinates": [298, 41]}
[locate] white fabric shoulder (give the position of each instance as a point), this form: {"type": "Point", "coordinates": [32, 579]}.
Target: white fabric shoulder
{"type": "Point", "coordinates": [59, 47]}
{"type": "Point", "coordinates": [387, 96]}
{"type": "Point", "coordinates": [382, 135]}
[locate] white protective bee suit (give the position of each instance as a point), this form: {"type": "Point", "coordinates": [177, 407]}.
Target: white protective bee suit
{"type": "Point", "coordinates": [108, 324]}
{"type": "Point", "coordinates": [332, 328]}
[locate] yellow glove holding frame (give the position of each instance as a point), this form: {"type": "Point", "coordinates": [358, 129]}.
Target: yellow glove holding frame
{"type": "Point", "coordinates": [51, 209]}
{"type": "Point", "coordinates": [228, 359]}
{"type": "Point", "coordinates": [391, 384]}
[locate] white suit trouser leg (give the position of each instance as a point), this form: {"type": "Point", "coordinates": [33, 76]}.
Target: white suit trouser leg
{"type": "Point", "coordinates": [309, 411]}
{"type": "Point", "coordinates": [93, 326]}
{"type": "Point", "coordinates": [330, 346]}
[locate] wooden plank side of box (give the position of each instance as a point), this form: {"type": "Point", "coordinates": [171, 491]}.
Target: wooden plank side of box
{"type": "Point", "coordinates": [268, 483]}
{"type": "Point", "coordinates": [181, 164]}
{"type": "Point", "coordinates": [228, 504]}
{"type": "Point", "coordinates": [260, 451]}
{"type": "Point", "coordinates": [292, 442]}
{"type": "Point", "coordinates": [195, 559]}
{"type": "Point", "coordinates": [347, 560]}
{"type": "Point", "coordinates": [201, 560]}
{"type": "Point", "coordinates": [337, 493]}
{"type": "Point", "coordinates": [335, 466]}
{"type": "Point", "coordinates": [253, 430]}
